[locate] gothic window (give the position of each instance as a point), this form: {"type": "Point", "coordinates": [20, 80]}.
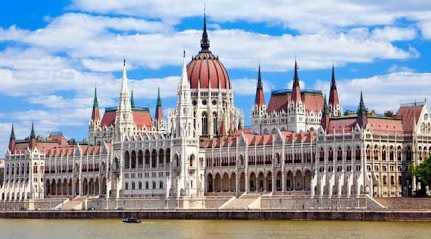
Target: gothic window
{"type": "Point", "coordinates": [147, 158]}
{"type": "Point", "coordinates": [168, 156]}
{"type": "Point", "coordinates": [133, 161]}
{"type": "Point", "coordinates": [340, 154]}
{"type": "Point", "coordinates": [349, 154]}
{"type": "Point", "coordinates": [204, 123]}
{"type": "Point", "coordinates": [330, 155]}
{"type": "Point", "coordinates": [358, 153]}
{"type": "Point", "coordinates": [321, 155]}
{"type": "Point", "coordinates": [140, 159]}
{"type": "Point", "coordinates": [154, 159]}
{"type": "Point", "coordinates": [215, 124]}
{"type": "Point", "coordinates": [126, 160]}
{"type": "Point", "coordinates": [192, 160]}
{"type": "Point", "coordinates": [161, 157]}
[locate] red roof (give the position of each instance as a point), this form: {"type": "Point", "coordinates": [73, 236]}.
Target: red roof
{"type": "Point", "coordinates": [142, 118]}
{"type": "Point", "coordinates": [313, 101]}
{"type": "Point", "coordinates": [410, 115]}
{"type": "Point", "coordinates": [206, 70]}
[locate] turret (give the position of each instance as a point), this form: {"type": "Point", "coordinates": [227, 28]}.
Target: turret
{"type": "Point", "coordinates": [32, 137]}
{"type": "Point", "coordinates": [334, 101]}
{"type": "Point", "coordinates": [296, 88]}
{"type": "Point", "coordinates": [12, 140]}
{"type": "Point", "coordinates": [362, 113]}
{"type": "Point", "coordinates": [324, 121]}
{"type": "Point", "coordinates": [95, 113]}
{"type": "Point", "coordinates": [260, 97]}
{"type": "Point", "coordinates": [124, 118]}
{"type": "Point", "coordinates": [159, 111]}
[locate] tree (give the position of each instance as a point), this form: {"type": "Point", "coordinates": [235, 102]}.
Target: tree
{"type": "Point", "coordinates": [423, 173]}
{"type": "Point", "coordinates": [389, 114]}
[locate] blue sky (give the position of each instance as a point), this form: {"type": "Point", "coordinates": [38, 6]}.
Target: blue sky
{"type": "Point", "coordinates": [53, 53]}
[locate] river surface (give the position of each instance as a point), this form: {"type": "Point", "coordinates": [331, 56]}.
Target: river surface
{"type": "Point", "coordinates": [207, 229]}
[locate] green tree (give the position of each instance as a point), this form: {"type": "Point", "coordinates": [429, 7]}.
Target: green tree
{"type": "Point", "coordinates": [423, 173]}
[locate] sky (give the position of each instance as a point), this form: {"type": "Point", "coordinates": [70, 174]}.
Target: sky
{"type": "Point", "coordinates": [53, 53]}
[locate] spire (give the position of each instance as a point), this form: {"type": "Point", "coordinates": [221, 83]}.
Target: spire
{"type": "Point", "coordinates": [260, 97]}
{"type": "Point", "coordinates": [132, 100]}
{"type": "Point", "coordinates": [296, 89]}
{"type": "Point", "coordinates": [12, 140]}
{"type": "Point", "coordinates": [334, 102]}
{"type": "Point", "coordinates": [124, 79]}
{"type": "Point", "coordinates": [324, 122]}
{"type": "Point", "coordinates": [362, 113]}
{"type": "Point", "coordinates": [95, 114]}
{"type": "Point", "coordinates": [32, 133]}
{"type": "Point", "coordinates": [184, 84]}
{"type": "Point", "coordinates": [361, 108]}
{"type": "Point", "coordinates": [159, 110]}
{"type": "Point", "coordinates": [159, 100]}
{"type": "Point", "coordinates": [32, 137]}
{"type": "Point", "coordinates": [205, 42]}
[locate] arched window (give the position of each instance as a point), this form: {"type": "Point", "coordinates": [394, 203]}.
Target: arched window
{"type": "Point", "coordinates": [154, 159]}
{"type": "Point", "coordinates": [322, 155]}
{"type": "Point", "coordinates": [140, 159]}
{"type": "Point", "coordinates": [126, 159]}
{"type": "Point", "coordinates": [192, 160]}
{"type": "Point", "coordinates": [204, 124]}
{"type": "Point", "coordinates": [215, 124]}
{"type": "Point", "coordinates": [349, 154]}
{"type": "Point", "coordinates": [339, 154]}
{"type": "Point", "coordinates": [133, 164]}
{"type": "Point", "coordinates": [168, 156]}
{"type": "Point", "coordinates": [358, 153]}
{"type": "Point", "coordinates": [161, 157]}
{"type": "Point", "coordinates": [147, 158]}
{"type": "Point", "coordinates": [391, 153]}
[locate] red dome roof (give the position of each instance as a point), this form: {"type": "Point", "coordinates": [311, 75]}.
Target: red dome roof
{"type": "Point", "coordinates": [206, 70]}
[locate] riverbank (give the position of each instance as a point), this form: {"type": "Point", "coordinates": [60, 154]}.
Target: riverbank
{"type": "Point", "coordinates": [347, 215]}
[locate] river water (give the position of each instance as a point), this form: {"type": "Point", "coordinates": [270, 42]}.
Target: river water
{"type": "Point", "coordinates": [208, 229]}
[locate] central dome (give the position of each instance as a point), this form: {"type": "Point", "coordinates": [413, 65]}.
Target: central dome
{"type": "Point", "coordinates": [205, 70]}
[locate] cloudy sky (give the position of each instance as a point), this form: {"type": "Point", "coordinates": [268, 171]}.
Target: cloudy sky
{"type": "Point", "coordinates": [53, 53]}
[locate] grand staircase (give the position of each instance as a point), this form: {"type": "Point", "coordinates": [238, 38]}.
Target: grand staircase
{"type": "Point", "coordinates": [245, 201]}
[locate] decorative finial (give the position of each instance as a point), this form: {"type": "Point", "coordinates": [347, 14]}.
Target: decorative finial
{"type": "Point", "coordinates": [205, 43]}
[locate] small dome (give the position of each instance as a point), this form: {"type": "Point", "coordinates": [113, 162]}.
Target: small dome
{"type": "Point", "coordinates": [205, 70]}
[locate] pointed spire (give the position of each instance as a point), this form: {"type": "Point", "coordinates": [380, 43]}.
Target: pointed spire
{"type": "Point", "coordinates": [324, 122]}
{"type": "Point", "coordinates": [32, 137]}
{"type": "Point", "coordinates": [205, 42]}
{"type": "Point", "coordinates": [260, 97]}
{"type": "Point", "coordinates": [159, 111]}
{"type": "Point", "coordinates": [132, 100]}
{"type": "Point", "coordinates": [95, 101]}
{"type": "Point", "coordinates": [12, 140]}
{"type": "Point", "coordinates": [361, 108]}
{"type": "Point", "coordinates": [124, 79]}
{"type": "Point", "coordinates": [296, 89]}
{"type": "Point", "coordinates": [159, 100]}
{"type": "Point", "coordinates": [184, 84]}
{"type": "Point", "coordinates": [362, 113]}
{"type": "Point", "coordinates": [334, 101]}
{"type": "Point", "coordinates": [95, 114]}
{"type": "Point", "coordinates": [32, 133]}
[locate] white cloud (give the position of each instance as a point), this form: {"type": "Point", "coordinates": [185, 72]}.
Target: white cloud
{"type": "Point", "coordinates": [383, 92]}
{"type": "Point", "coordinates": [307, 16]}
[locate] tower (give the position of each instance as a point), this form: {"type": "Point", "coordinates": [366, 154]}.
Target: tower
{"type": "Point", "coordinates": [158, 116]}
{"type": "Point", "coordinates": [95, 120]}
{"type": "Point", "coordinates": [259, 108]}
{"type": "Point", "coordinates": [124, 118]}
{"type": "Point", "coordinates": [12, 141]}
{"type": "Point", "coordinates": [362, 113]}
{"type": "Point", "coordinates": [296, 110]}
{"type": "Point", "coordinates": [334, 101]}
{"type": "Point", "coordinates": [185, 180]}
{"type": "Point", "coordinates": [324, 121]}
